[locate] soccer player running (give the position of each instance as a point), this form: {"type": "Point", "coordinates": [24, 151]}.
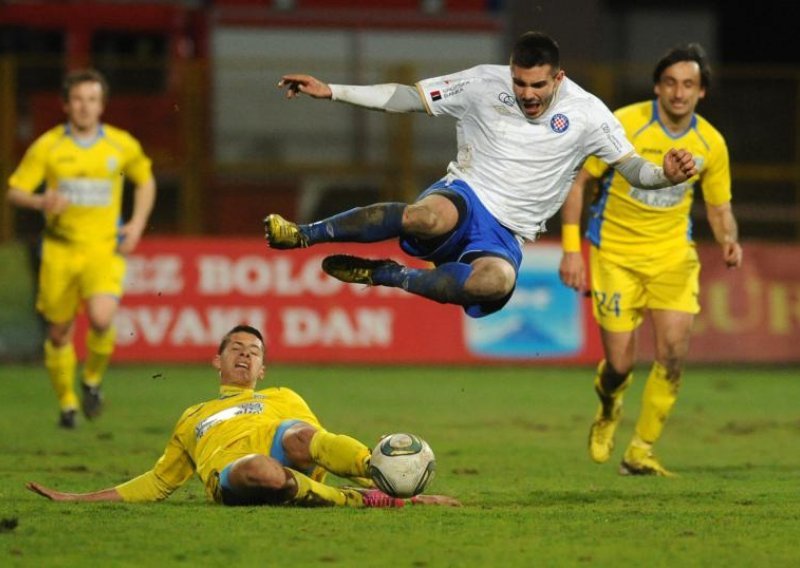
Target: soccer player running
{"type": "Point", "coordinates": [82, 164]}
{"type": "Point", "coordinates": [523, 131]}
{"type": "Point", "coordinates": [253, 447]}
{"type": "Point", "coordinates": [642, 256]}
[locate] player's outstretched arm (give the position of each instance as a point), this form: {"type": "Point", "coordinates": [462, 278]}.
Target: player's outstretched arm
{"type": "Point", "coordinates": [110, 494]}
{"type": "Point", "coordinates": [444, 500]}
{"type": "Point", "coordinates": [297, 83]}
{"type": "Point", "coordinates": [678, 166]}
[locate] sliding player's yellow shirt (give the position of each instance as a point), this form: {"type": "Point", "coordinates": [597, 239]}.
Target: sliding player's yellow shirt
{"type": "Point", "coordinates": [627, 221]}
{"type": "Point", "coordinates": [211, 435]}
{"type": "Point", "coordinates": [91, 175]}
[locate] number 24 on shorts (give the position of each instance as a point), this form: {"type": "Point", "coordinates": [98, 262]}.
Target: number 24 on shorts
{"type": "Point", "coordinates": [607, 303]}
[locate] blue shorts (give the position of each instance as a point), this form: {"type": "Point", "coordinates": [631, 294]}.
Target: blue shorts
{"type": "Point", "coordinates": [477, 234]}
{"type": "Point", "coordinates": [233, 496]}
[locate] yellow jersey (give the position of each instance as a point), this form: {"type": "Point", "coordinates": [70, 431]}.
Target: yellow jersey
{"type": "Point", "coordinates": [212, 434]}
{"type": "Point", "coordinates": [89, 174]}
{"type": "Point", "coordinates": [628, 220]}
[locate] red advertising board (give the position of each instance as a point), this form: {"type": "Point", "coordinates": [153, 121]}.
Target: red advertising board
{"type": "Point", "coordinates": [182, 295]}
{"type": "Point", "coordinates": [751, 314]}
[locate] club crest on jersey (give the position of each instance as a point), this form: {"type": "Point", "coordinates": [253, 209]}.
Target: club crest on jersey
{"type": "Point", "coordinates": [112, 163]}
{"type": "Point", "coordinates": [559, 123]}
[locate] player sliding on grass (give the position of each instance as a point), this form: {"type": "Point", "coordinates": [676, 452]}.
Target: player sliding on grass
{"type": "Point", "coordinates": [253, 447]}
{"type": "Point", "coordinates": [523, 132]}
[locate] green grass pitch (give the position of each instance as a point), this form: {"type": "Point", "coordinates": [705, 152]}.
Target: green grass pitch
{"type": "Point", "coordinates": [510, 443]}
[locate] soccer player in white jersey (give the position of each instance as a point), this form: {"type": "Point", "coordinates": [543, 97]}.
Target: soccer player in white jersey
{"type": "Point", "coordinates": [524, 130]}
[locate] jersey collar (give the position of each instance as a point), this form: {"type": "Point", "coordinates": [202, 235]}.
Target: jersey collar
{"type": "Point", "coordinates": [667, 131]}
{"type": "Point", "coordinates": [226, 391]}
{"type": "Point", "coordinates": [101, 132]}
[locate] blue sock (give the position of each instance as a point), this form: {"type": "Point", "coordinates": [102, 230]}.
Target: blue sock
{"type": "Point", "coordinates": [360, 225]}
{"type": "Point", "coordinates": [443, 284]}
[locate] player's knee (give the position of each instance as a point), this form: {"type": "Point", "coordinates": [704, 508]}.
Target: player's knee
{"type": "Point", "coordinates": [490, 280]}
{"type": "Point", "coordinates": [60, 335]}
{"type": "Point", "coordinates": [258, 471]}
{"type": "Point", "coordinates": [296, 443]}
{"type": "Point", "coordinates": [420, 221]}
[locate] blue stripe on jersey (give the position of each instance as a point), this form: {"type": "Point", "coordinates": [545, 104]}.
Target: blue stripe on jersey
{"type": "Point", "coordinates": [700, 136]}
{"type": "Point", "coordinates": [689, 227]}
{"type": "Point", "coordinates": [597, 208]}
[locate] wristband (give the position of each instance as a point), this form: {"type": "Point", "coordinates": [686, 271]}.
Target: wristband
{"type": "Point", "coordinates": [571, 238]}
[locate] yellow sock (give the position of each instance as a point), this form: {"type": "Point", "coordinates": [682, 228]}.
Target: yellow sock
{"type": "Point", "coordinates": [311, 493]}
{"type": "Point", "coordinates": [60, 364]}
{"type": "Point", "coordinates": [659, 396]}
{"type": "Point", "coordinates": [99, 347]}
{"type": "Point", "coordinates": [341, 455]}
{"type": "Point", "coordinates": [607, 399]}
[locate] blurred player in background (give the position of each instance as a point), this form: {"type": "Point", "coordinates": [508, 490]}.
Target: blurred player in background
{"type": "Point", "coordinates": [82, 164]}
{"type": "Point", "coordinates": [642, 254]}
{"type": "Point", "coordinates": [252, 447]}
{"type": "Point", "coordinates": [523, 131]}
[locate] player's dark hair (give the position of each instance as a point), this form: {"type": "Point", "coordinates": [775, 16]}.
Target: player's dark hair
{"type": "Point", "coordinates": [534, 49]}
{"type": "Point", "coordinates": [83, 76]}
{"type": "Point", "coordinates": [239, 328]}
{"type": "Point", "coordinates": [689, 52]}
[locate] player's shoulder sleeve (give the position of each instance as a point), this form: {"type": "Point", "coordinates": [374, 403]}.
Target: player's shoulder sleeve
{"type": "Point", "coordinates": [632, 117]}
{"type": "Point", "coordinates": [604, 134]}
{"type": "Point", "coordinates": [453, 94]}
{"type": "Point", "coordinates": [32, 169]}
{"type": "Point", "coordinates": [137, 166]}
{"type": "Point", "coordinates": [715, 180]}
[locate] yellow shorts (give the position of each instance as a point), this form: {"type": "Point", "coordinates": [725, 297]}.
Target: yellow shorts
{"type": "Point", "coordinates": [72, 273]}
{"type": "Point", "coordinates": [624, 287]}
{"type": "Point", "coordinates": [264, 440]}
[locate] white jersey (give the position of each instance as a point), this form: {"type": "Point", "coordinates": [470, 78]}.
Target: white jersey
{"type": "Point", "coordinates": [521, 169]}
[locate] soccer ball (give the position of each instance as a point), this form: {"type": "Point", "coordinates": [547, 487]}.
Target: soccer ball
{"type": "Point", "coordinates": [402, 465]}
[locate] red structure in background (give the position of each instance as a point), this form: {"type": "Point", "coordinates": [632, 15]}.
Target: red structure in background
{"type": "Point", "coordinates": [151, 115]}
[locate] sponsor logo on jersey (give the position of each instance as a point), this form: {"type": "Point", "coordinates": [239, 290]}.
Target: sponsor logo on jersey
{"type": "Point", "coordinates": [559, 123]}
{"type": "Point", "coordinates": [244, 408]}
{"type": "Point", "coordinates": [436, 95]}
{"type": "Point", "coordinates": [507, 99]}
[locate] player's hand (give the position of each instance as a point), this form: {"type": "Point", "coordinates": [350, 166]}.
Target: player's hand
{"type": "Point", "coordinates": [572, 271]}
{"type": "Point", "coordinates": [130, 235]}
{"type": "Point", "coordinates": [732, 254]}
{"type": "Point", "coordinates": [444, 500]}
{"type": "Point", "coordinates": [306, 84]}
{"type": "Point", "coordinates": [54, 202]}
{"type": "Point", "coordinates": [51, 494]}
{"type": "Point", "coordinates": [679, 165]}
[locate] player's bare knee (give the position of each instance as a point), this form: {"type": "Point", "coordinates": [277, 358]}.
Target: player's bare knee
{"type": "Point", "coordinates": [296, 444]}
{"type": "Point", "coordinates": [60, 334]}
{"type": "Point", "coordinates": [421, 221]}
{"type": "Point", "coordinates": [490, 281]}
{"type": "Point", "coordinates": [258, 471]}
